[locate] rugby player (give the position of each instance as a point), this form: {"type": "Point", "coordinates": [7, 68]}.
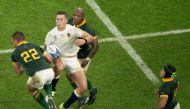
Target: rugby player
{"type": "Point", "coordinates": [32, 59]}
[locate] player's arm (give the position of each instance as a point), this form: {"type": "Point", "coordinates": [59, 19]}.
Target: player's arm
{"type": "Point", "coordinates": [84, 38]}
{"type": "Point", "coordinates": [48, 40]}
{"type": "Point", "coordinates": [18, 69]}
{"type": "Point", "coordinates": [47, 57]}
{"type": "Point", "coordinates": [162, 102]}
{"type": "Point", "coordinates": [95, 47]}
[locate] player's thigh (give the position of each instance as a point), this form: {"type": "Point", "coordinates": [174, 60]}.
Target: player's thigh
{"type": "Point", "coordinates": [72, 65]}
{"type": "Point", "coordinates": [79, 78]}
{"type": "Point", "coordinates": [41, 78]}
{"type": "Point", "coordinates": [58, 63]}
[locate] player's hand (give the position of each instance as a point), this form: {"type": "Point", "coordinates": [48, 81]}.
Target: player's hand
{"type": "Point", "coordinates": [80, 42]}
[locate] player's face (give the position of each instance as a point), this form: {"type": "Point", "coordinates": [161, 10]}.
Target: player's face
{"type": "Point", "coordinates": [78, 18]}
{"type": "Point", "coordinates": [61, 21]}
{"type": "Point", "coordinates": [162, 73]}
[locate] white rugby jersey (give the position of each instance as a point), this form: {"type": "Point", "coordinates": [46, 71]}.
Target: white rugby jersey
{"type": "Point", "coordinates": [65, 40]}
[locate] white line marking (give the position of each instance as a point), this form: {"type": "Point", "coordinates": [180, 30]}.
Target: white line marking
{"type": "Point", "coordinates": [6, 51]}
{"type": "Point", "coordinates": [158, 34]}
{"type": "Point", "coordinates": [113, 29]}
{"type": "Point", "coordinates": [146, 35]}
{"type": "Point", "coordinates": [131, 37]}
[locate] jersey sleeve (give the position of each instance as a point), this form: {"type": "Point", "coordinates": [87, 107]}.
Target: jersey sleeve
{"type": "Point", "coordinates": [49, 39]}
{"type": "Point", "coordinates": [91, 31]}
{"type": "Point", "coordinates": [13, 58]}
{"type": "Point", "coordinates": [41, 49]}
{"type": "Point", "coordinates": [78, 32]}
{"type": "Point", "coordinates": [164, 91]}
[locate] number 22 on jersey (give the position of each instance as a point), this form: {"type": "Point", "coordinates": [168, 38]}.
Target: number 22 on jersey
{"type": "Point", "coordinates": [30, 55]}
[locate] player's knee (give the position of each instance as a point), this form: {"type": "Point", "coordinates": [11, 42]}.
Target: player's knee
{"type": "Point", "coordinates": [83, 87]}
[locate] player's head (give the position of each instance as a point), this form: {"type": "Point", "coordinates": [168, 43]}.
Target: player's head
{"type": "Point", "coordinates": [61, 20]}
{"type": "Point", "coordinates": [17, 37]}
{"type": "Point", "coordinates": [78, 16]}
{"type": "Point", "coordinates": [168, 71]}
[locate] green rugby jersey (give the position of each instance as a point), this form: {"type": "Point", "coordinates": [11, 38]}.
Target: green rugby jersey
{"type": "Point", "coordinates": [30, 57]}
{"type": "Point", "coordinates": [86, 48]}
{"type": "Point", "coordinates": [169, 88]}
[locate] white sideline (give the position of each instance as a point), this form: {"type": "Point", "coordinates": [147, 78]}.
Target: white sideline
{"type": "Point", "coordinates": [124, 43]}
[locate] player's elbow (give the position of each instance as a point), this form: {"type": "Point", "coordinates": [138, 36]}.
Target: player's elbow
{"type": "Point", "coordinates": [95, 44]}
{"type": "Point", "coordinates": [19, 72]}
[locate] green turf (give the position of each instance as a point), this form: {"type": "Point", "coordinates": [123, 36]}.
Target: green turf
{"type": "Point", "coordinates": [142, 16]}
{"type": "Point", "coordinates": [121, 84]}
{"type": "Point", "coordinates": [168, 49]}
{"type": "Point", "coordinates": [35, 18]}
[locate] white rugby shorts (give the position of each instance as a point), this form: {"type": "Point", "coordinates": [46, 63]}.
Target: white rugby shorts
{"type": "Point", "coordinates": [72, 64]}
{"type": "Point", "coordinates": [41, 78]}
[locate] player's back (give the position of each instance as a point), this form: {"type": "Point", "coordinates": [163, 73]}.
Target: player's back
{"type": "Point", "coordinates": [30, 56]}
{"type": "Point", "coordinates": [170, 88]}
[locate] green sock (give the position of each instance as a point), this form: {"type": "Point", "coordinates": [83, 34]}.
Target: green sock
{"type": "Point", "coordinates": [89, 85]}
{"type": "Point", "coordinates": [48, 89]}
{"type": "Point", "coordinates": [41, 100]}
{"type": "Point", "coordinates": [73, 85]}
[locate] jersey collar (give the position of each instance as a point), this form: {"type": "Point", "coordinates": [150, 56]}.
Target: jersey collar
{"type": "Point", "coordinates": [82, 23]}
{"type": "Point", "coordinates": [21, 43]}
{"type": "Point", "coordinates": [167, 79]}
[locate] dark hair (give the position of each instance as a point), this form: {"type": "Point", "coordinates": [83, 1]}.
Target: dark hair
{"type": "Point", "coordinates": [169, 70]}
{"type": "Point", "coordinates": [18, 36]}
{"type": "Point", "coordinates": [62, 13]}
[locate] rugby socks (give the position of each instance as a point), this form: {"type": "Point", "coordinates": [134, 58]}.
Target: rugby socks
{"type": "Point", "coordinates": [48, 89]}
{"type": "Point", "coordinates": [54, 83]}
{"type": "Point", "coordinates": [89, 85]}
{"type": "Point", "coordinates": [41, 100]}
{"type": "Point", "coordinates": [74, 96]}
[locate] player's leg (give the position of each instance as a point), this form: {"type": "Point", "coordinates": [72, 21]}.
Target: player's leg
{"type": "Point", "coordinates": [46, 78]}
{"type": "Point", "coordinates": [42, 79]}
{"type": "Point", "coordinates": [92, 89]}
{"type": "Point", "coordinates": [80, 79]}
{"type": "Point", "coordinates": [76, 74]}
{"type": "Point", "coordinates": [59, 66]}
{"type": "Point", "coordinates": [38, 96]}
{"type": "Point", "coordinates": [74, 86]}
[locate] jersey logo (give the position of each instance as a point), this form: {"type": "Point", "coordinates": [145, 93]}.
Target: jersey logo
{"type": "Point", "coordinates": [68, 34]}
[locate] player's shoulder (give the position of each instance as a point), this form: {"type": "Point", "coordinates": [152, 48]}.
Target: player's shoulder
{"type": "Point", "coordinates": [53, 31]}
{"type": "Point", "coordinates": [88, 28]}
{"type": "Point", "coordinates": [70, 28]}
